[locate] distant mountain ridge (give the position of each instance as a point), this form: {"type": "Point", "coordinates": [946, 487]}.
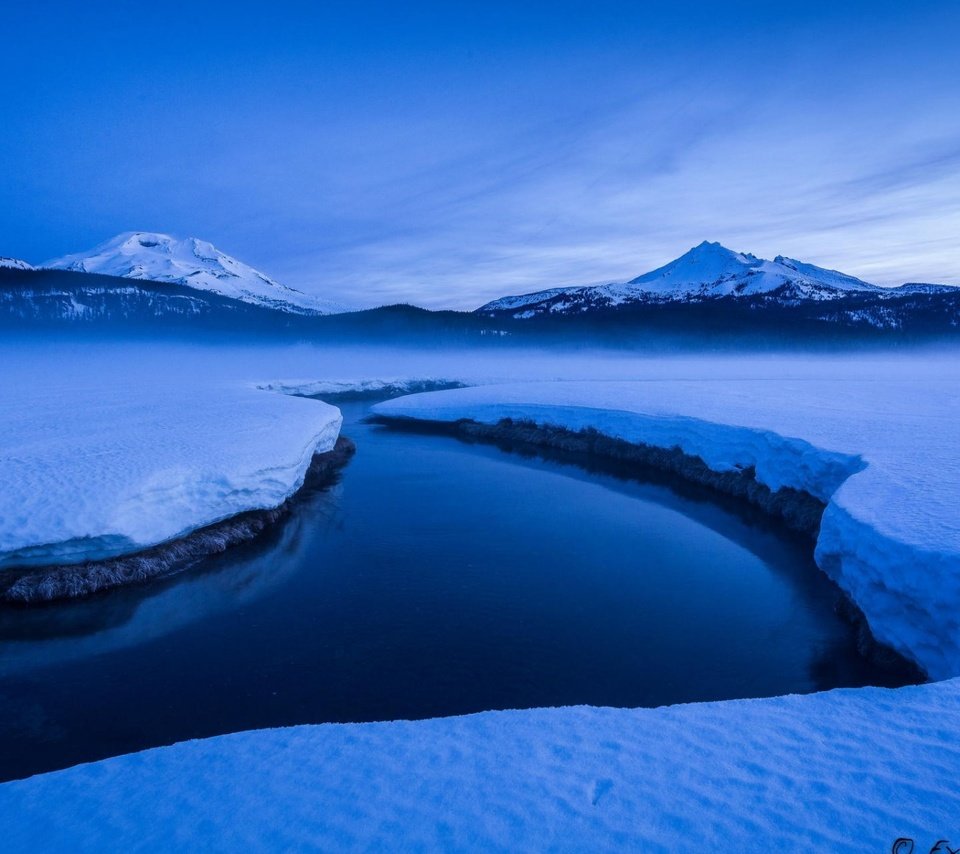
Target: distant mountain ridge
{"type": "Point", "coordinates": [14, 263]}
{"type": "Point", "coordinates": [705, 298]}
{"type": "Point", "coordinates": [708, 271]}
{"type": "Point", "coordinates": [194, 264]}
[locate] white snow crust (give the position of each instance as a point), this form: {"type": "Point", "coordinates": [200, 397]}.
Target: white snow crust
{"type": "Point", "coordinates": [881, 453]}
{"type": "Point", "coordinates": [364, 386]}
{"type": "Point", "coordinates": [191, 262]}
{"type": "Point", "coordinates": [842, 771]}
{"type": "Point", "coordinates": [94, 470]}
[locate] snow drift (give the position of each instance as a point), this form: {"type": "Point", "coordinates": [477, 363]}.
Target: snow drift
{"type": "Point", "coordinates": [847, 770]}
{"type": "Point", "coordinates": [94, 473]}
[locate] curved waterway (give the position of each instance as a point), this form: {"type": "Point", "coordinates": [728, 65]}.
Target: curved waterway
{"type": "Point", "coordinates": [435, 578]}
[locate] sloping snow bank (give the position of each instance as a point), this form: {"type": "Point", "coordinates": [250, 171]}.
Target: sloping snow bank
{"type": "Point", "coordinates": [840, 771]}
{"type": "Point", "coordinates": [97, 470]}
{"type": "Point", "coordinates": [882, 454]}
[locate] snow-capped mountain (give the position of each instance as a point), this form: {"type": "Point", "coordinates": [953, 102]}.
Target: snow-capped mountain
{"type": "Point", "coordinates": [193, 263]}
{"type": "Point", "coordinates": [14, 263]}
{"type": "Point", "coordinates": [706, 271]}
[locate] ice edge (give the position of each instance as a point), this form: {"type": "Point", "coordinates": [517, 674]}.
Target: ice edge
{"type": "Point", "coordinates": [901, 610]}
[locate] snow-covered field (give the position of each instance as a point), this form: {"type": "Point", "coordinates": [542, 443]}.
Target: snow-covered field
{"type": "Point", "coordinates": [366, 387]}
{"type": "Point", "coordinates": [848, 770]}
{"type": "Point", "coordinates": [843, 771]}
{"type": "Point", "coordinates": [99, 465]}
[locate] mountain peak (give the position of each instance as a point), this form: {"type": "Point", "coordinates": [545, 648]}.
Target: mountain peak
{"type": "Point", "coordinates": [704, 264]}
{"type": "Point", "coordinates": [14, 263]}
{"type": "Point", "coordinates": [191, 262]}
{"type": "Point", "coordinates": [716, 246]}
{"type": "Point", "coordinates": [146, 239]}
{"type": "Point", "coordinates": [708, 270]}
{"type": "Point", "coordinates": [708, 247]}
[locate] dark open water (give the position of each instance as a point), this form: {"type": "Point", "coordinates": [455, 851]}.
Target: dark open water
{"type": "Point", "coordinates": [436, 578]}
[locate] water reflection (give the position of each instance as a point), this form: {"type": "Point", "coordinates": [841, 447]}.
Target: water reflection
{"type": "Point", "coordinates": [37, 636]}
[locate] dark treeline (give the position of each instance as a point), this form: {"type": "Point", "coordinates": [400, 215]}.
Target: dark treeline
{"type": "Point", "coordinates": [48, 300]}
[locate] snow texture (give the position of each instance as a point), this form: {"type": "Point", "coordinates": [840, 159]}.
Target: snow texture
{"type": "Point", "coordinates": [881, 453]}
{"type": "Point", "coordinates": [14, 263]}
{"type": "Point", "coordinates": [843, 771]}
{"type": "Point", "coordinates": [713, 270]}
{"type": "Point", "coordinates": [706, 271]}
{"type": "Point", "coordinates": [371, 387]}
{"type": "Point", "coordinates": [194, 263]}
{"type": "Point", "coordinates": [93, 470]}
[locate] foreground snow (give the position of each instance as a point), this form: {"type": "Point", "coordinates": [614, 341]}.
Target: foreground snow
{"type": "Point", "coordinates": [191, 262]}
{"type": "Point", "coordinates": [882, 453]}
{"type": "Point", "coordinates": [841, 771]}
{"type": "Point", "coordinates": [94, 469]}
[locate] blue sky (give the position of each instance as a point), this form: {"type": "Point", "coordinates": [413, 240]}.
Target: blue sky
{"type": "Point", "coordinates": [446, 154]}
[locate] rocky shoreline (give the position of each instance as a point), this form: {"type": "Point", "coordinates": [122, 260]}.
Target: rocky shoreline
{"type": "Point", "coordinates": [798, 510]}
{"type": "Point", "coordinates": [34, 585]}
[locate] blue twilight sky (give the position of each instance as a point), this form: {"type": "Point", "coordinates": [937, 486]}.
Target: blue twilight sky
{"type": "Point", "coordinates": [449, 153]}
